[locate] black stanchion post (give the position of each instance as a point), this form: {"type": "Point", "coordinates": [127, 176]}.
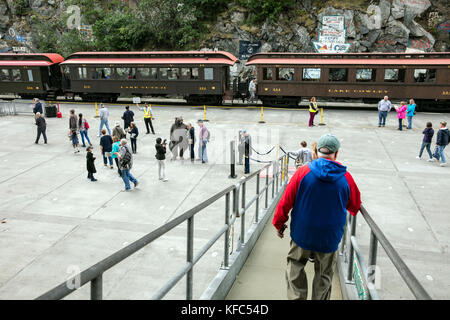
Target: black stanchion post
{"type": "Point", "coordinates": [232, 161]}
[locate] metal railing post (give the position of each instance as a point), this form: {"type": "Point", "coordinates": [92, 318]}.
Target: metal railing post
{"type": "Point", "coordinates": [257, 199]}
{"type": "Point", "coordinates": [190, 257]}
{"type": "Point", "coordinates": [350, 262]}
{"type": "Point", "coordinates": [344, 238]}
{"type": "Point", "coordinates": [274, 169]}
{"type": "Point", "coordinates": [97, 288]}
{"type": "Point", "coordinates": [242, 237]}
{"type": "Point", "coordinates": [373, 249]}
{"type": "Point", "coordinates": [226, 251]}
{"type": "Point", "coordinates": [267, 188]}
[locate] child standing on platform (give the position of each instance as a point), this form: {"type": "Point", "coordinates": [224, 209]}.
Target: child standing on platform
{"type": "Point", "coordinates": [90, 164]}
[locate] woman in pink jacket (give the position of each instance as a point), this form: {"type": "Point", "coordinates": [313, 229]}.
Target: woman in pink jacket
{"type": "Point", "coordinates": [401, 114]}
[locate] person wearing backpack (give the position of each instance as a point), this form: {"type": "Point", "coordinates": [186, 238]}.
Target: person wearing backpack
{"type": "Point", "coordinates": [442, 140]}
{"type": "Point", "coordinates": [126, 163]}
{"type": "Point", "coordinates": [83, 125]}
{"type": "Point", "coordinates": [203, 140]}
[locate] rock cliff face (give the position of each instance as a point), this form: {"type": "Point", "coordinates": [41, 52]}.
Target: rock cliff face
{"type": "Point", "coordinates": [370, 25]}
{"type": "Point", "coordinates": [375, 26]}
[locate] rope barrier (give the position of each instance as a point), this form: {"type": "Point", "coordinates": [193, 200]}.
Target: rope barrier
{"type": "Point", "coordinates": [260, 161]}
{"type": "Point", "coordinates": [263, 154]}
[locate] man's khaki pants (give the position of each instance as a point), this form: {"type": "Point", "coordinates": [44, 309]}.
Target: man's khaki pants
{"type": "Point", "coordinates": [297, 284]}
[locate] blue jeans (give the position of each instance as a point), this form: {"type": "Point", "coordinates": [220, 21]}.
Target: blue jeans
{"type": "Point", "coordinates": [441, 154]}
{"type": "Point", "coordinates": [109, 158]}
{"type": "Point", "coordinates": [382, 115]}
{"type": "Point", "coordinates": [204, 155]}
{"type": "Point", "coordinates": [423, 146]}
{"type": "Point", "coordinates": [127, 177]}
{"type": "Point", "coordinates": [400, 124]}
{"type": "Point", "coordinates": [410, 122]}
{"type": "Point", "coordinates": [102, 123]}
{"type": "Point", "coordinates": [83, 134]}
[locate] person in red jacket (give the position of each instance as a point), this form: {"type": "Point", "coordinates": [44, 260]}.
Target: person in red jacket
{"type": "Point", "coordinates": [319, 194]}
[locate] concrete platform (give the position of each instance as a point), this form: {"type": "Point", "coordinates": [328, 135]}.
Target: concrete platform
{"type": "Point", "coordinates": [55, 221]}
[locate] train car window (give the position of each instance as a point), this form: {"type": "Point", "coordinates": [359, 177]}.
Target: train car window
{"type": "Point", "coordinates": [286, 74]}
{"type": "Point", "coordinates": [209, 73]}
{"type": "Point", "coordinates": [267, 74]}
{"type": "Point", "coordinates": [189, 73]}
{"type": "Point", "coordinates": [4, 75]}
{"type": "Point", "coordinates": [16, 76]}
{"type": "Point", "coordinates": [311, 74]}
{"type": "Point", "coordinates": [394, 75]}
{"type": "Point", "coordinates": [338, 74]}
{"type": "Point", "coordinates": [126, 73]}
{"type": "Point", "coordinates": [103, 73]}
{"type": "Point", "coordinates": [185, 73]}
{"type": "Point", "coordinates": [30, 75]}
{"type": "Point", "coordinates": [82, 73]}
{"type": "Point", "coordinates": [173, 73]}
{"type": "Point", "coordinates": [66, 71]}
{"type": "Point", "coordinates": [163, 73]}
{"type": "Point", "coordinates": [365, 75]}
{"type": "Point", "coordinates": [147, 73]}
{"type": "Point", "coordinates": [424, 75]}
{"type": "Point", "coordinates": [194, 73]}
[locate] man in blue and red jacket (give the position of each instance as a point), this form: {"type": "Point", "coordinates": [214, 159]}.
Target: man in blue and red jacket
{"type": "Point", "coordinates": [319, 195]}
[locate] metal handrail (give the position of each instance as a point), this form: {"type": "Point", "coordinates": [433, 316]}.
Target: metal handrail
{"type": "Point", "coordinates": [368, 276]}
{"type": "Point", "coordinates": [94, 274]}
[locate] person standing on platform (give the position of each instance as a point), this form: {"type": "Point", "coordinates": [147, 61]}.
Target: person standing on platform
{"type": "Point", "coordinates": [37, 106]}
{"type": "Point", "coordinates": [319, 194]}
{"type": "Point", "coordinates": [442, 140]}
{"type": "Point", "coordinates": [73, 127]}
{"type": "Point", "coordinates": [128, 117]}
{"type": "Point", "coordinates": [303, 155]}
{"type": "Point", "coordinates": [41, 127]}
{"type": "Point", "coordinates": [178, 139]}
{"type": "Point", "coordinates": [104, 115]}
{"type": "Point", "coordinates": [90, 164]}
{"type": "Point", "coordinates": [191, 140]}
{"type": "Point", "coordinates": [126, 163]}
{"type": "Point", "coordinates": [252, 90]}
{"type": "Point", "coordinates": [203, 140]}
{"type": "Point", "coordinates": [247, 151]}
{"type": "Point", "coordinates": [410, 112]}
{"type": "Point", "coordinates": [401, 114]}
{"type": "Point", "coordinates": [241, 146]}
{"type": "Point", "coordinates": [115, 149]}
{"type": "Point", "coordinates": [313, 109]}
{"type": "Point", "coordinates": [428, 133]}
{"type": "Point", "coordinates": [119, 132]}
{"type": "Point", "coordinates": [106, 143]}
{"type": "Point", "coordinates": [384, 106]}
{"type": "Point", "coordinates": [84, 127]}
{"type": "Point", "coordinates": [161, 158]}
{"type": "Point", "coordinates": [134, 132]}
{"type": "Point", "coordinates": [148, 117]}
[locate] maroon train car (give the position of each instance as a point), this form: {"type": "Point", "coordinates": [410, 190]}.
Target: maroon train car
{"type": "Point", "coordinates": [198, 76]}
{"type": "Point", "coordinates": [285, 78]}
{"type": "Point", "coordinates": [30, 75]}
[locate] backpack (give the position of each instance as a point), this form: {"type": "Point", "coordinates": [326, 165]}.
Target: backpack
{"type": "Point", "coordinates": [208, 135]}
{"type": "Point", "coordinates": [126, 158]}
{"type": "Point", "coordinates": [86, 124]}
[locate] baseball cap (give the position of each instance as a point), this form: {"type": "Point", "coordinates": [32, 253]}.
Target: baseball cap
{"type": "Point", "coordinates": [330, 142]}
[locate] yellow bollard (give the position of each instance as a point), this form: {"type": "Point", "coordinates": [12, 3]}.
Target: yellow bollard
{"type": "Point", "coordinates": [262, 115]}
{"type": "Point", "coordinates": [321, 117]}
{"type": "Point", "coordinates": [96, 111]}
{"type": "Point", "coordinates": [204, 111]}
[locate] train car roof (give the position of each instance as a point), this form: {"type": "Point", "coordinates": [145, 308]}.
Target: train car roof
{"type": "Point", "coordinates": [153, 57]}
{"type": "Point", "coordinates": [30, 59]}
{"type": "Point", "coordinates": [429, 58]}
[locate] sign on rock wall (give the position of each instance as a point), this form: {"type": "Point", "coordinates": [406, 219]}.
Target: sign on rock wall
{"type": "Point", "coordinates": [332, 35]}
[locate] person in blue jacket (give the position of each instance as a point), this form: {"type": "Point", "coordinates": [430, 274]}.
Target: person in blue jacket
{"type": "Point", "coordinates": [134, 132]}
{"type": "Point", "coordinates": [319, 194]}
{"type": "Point", "coordinates": [410, 112]}
{"type": "Point", "coordinates": [37, 106]}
